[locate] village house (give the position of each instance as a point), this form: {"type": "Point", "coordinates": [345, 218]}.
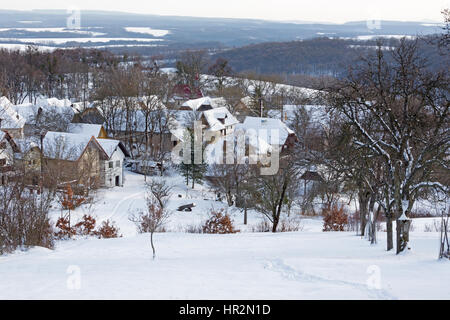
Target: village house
{"type": "Point", "coordinates": [7, 149]}
{"type": "Point", "coordinates": [182, 92]}
{"type": "Point", "coordinates": [50, 114]}
{"type": "Point", "coordinates": [84, 159]}
{"type": "Point", "coordinates": [10, 120]}
{"type": "Point", "coordinates": [203, 104]}
{"type": "Point", "coordinates": [273, 131]}
{"type": "Point", "coordinates": [96, 130]}
{"type": "Point", "coordinates": [111, 168]}
{"type": "Point", "coordinates": [218, 121]}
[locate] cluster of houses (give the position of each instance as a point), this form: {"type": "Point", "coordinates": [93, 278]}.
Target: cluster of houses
{"type": "Point", "coordinates": [75, 142]}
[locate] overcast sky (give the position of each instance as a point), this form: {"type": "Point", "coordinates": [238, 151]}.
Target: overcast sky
{"type": "Point", "coordinates": [304, 10]}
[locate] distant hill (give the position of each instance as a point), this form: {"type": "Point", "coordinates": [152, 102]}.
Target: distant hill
{"type": "Point", "coordinates": [114, 29]}
{"type": "Point", "coordinates": [317, 57]}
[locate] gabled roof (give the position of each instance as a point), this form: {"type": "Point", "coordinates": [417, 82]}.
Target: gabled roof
{"type": "Point", "coordinates": [219, 118]}
{"type": "Point", "coordinates": [67, 146]}
{"type": "Point", "coordinates": [273, 131]}
{"type": "Point", "coordinates": [5, 136]}
{"type": "Point", "coordinates": [196, 104]}
{"type": "Point", "coordinates": [30, 111]}
{"type": "Point", "coordinates": [85, 128]}
{"type": "Point", "coordinates": [26, 144]}
{"type": "Point", "coordinates": [110, 146]}
{"type": "Point", "coordinates": [10, 118]}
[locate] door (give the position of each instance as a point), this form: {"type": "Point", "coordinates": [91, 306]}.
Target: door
{"type": "Point", "coordinates": [117, 181]}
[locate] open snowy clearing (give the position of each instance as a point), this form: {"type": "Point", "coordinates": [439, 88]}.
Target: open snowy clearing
{"type": "Point", "coordinates": [303, 265]}
{"type": "Point", "coordinates": [308, 264]}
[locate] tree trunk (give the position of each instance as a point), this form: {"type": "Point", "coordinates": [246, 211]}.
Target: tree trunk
{"type": "Point", "coordinates": [153, 247]}
{"type": "Point", "coordinates": [245, 214]}
{"type": "Point", "coordinates": [363, 199]}
{"type": "Point", "coordinates": [275, 224]}
{"type": "Point", "coordinates": [390, 236]}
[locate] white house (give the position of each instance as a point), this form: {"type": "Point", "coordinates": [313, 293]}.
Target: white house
{"type": "Point", "coordinates": [219, 120]}
{"type": "Point", "coordinates": [111, 169]}
{"type": "Point", "coordinates": [273, 131]}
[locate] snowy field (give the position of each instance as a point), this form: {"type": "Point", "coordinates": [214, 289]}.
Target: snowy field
{"type": "Point", "coordinates": [308, 264]}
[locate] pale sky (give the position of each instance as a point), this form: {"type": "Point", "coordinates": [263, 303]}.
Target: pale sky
{"type": "Point", "coordinates": [288, 10]}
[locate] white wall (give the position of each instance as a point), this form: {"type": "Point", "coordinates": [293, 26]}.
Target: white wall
{"type": "Point", "coordinates": [116, 171]}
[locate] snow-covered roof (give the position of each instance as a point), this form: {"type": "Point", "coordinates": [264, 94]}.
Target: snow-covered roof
{"type": "Point", "coordinates": [219, 118]}
{"type": "Point", "coordinates": [25, 144]}
{"type": "Point", "coordinates": [215, 151]}
{"type": "Point", "coordinates": [195, 104]}
{"type": "Point", "coordinates": [65, 146]}
{"type": "Point", "coordinates": [272, 131]}
{"type": "Point", "coordinates": [29, 111]}
{"type": "Point", "coordinates": [85, 128]}
{"type": "Point", "coordinates": [138, 123]}
{"type": "Point", "coordinates": [110, 146]}
{"type": "Point", "coordinates": [10, 118]}
{"type": "Point", "coordinates": [318, 113]}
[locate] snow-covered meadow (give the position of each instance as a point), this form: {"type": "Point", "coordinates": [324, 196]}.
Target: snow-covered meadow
{"type": "Point", "coordinates": [308, 264]}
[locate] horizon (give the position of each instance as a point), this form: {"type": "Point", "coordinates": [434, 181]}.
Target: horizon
{"type": "Point", "coordinates": [321, 11]}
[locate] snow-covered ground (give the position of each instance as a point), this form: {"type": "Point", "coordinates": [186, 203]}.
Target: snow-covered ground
{"type": "Point", "coordinates": [308, 264]}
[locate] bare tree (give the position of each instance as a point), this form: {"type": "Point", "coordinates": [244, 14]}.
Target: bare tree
{"type": "Point", "coordinates": [400, 110]}
{"type": "Point", "coordinates": [156, 215]}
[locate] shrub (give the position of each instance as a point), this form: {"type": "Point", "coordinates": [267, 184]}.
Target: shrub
{"type": "Point", "coordinates": [219, 222]}
{"type": "Point", "coordinates": [65, 230]}
{"type": "Point", "coordinates": [24, 218]}
{"type": "Point", "coordinates": [262, 226]}
{"type": "Point", "coordinates": [193, 229]}
{"type": "Point", "coordinates": [334, 218]}
{"type": "Point", "coordinates": [107, 231]}
{"type": "Point", "coordinates": [86, 226]}
{"type": "Point", "coordinates": [290, 224]}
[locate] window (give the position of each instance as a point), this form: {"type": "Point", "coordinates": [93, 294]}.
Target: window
{"type": "Point", "coordinates": [111, 164]}
{"type": "Point", "coordinates": [118, 163]}
{"type": "Point", "coordinates": [2, 162]}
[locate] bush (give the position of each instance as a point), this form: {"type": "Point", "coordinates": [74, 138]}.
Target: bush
{"type": "Point", "coordinates": [219, 222]}
{"type": "Point", "coordinates": [193, 229]}
{"type": "Point", "coordinates": [334, 218]}
{"type": "Point", "coordinates": [290, 224]}
{"type": "Point", "coordinates": [262, 226]}
{"type": "Point", "coordinates": [24, 218]}
{"type": "Point", "coordinates": [65, 230]}
{"type": "Point", "coordinates": [86, 226]}
{"type": "Point", "coordinates": [107, 231]}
